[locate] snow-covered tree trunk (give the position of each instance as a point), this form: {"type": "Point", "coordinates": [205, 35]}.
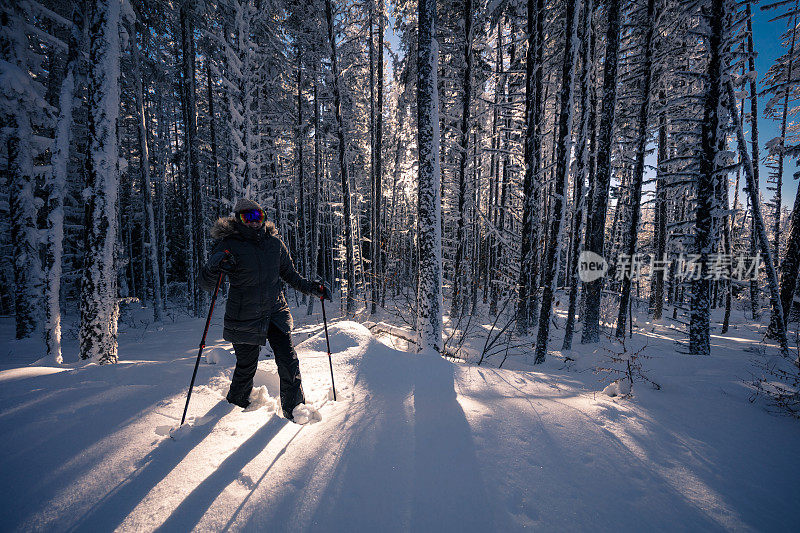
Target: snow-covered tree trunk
{"type": "Point", "coordinates": [194, 215]}
{"type": "Point", "coordinates": [724, 185]}
{"type": "Point", "coordinates": [595, 231]}
{"type": "Point", "coordinates": [526, 302]}
{"type": "Point", "coordinates": [378, 233]}
{"type": "Point", "coordinates": [99, 305]}
{"type": "Point", "coordinates": [55, 196]}
{"type": "Point", "coordinates": [314, 209]}
{"type": "Point", "coordinates": [758, 220]}
{"type": "Point", "coordinates": [24, 234]}
{"type": "Point", "coordinates": [301, 175]}
{"type": "Point", "coordinates": [144, 160]}
{"type": "Point", "coordinates": [459, 280]}
{"type": "Point", "coordinates": [790, 267]}
{"type": "Point", "coordinates": [161, 170]}
{"type": "Point", "coordinates": [212, 130]}
{"type": "Point", "coordinates": [21, 97]}
{"type": "Point", "coordinates": [563, 150]}
{"type": "Point", "coordinates": [429, 296]}
{"type": "Point", "coordinates": [638, 171]}
{"type": "Point", "coordinates": [660, 233]}
{"type": "Point", "coordinates": [781, 148]}
{"type": "Point", "coordinates": [343, 166]}
{"type": "Point", "coordinates": [402, 106]}
{"type": "Point", "coordinates": [490, 281]}
{"type": "Point", "coordinates": [372, 239]}
{"type": "Point", "coordinates": [699, 322]}
{"type": "Point", "coordinates": [755, 306]}
{"type": "Point", "coordinates": [580, 170]}
{"type": "Point", "coordinates": [501, 245]}
{"type": "Point", "coordinates": [780, 154]}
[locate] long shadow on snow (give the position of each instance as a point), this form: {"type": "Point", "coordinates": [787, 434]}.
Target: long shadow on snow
{"type": "Point", "coordinates": [101, 400]}
{"type": "Point", "coordinates": [406, 458]}
{"type": "Point", "coordinates": [186, 516]}
{"type": "Point", "coordinates": [450, 488]}
{"type": "Point", "coordinates": [112, 510]}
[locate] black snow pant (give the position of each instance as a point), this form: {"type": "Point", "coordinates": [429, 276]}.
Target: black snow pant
{"type": "Point", "coordinates": [288, 370]}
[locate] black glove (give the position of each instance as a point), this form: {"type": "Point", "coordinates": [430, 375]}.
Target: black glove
{"type": "Point", "coordinates": [322, 291]}
{"type": "Point", "coordinates": [222, 260]}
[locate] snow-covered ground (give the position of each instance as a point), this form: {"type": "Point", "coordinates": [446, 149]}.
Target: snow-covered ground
{"type": "Point", "coordinates": [413, 443]}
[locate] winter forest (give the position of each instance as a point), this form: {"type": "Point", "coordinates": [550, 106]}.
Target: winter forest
{"type": "Point", "coordinates": [536, 217]}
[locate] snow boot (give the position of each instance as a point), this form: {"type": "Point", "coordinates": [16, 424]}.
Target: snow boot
{"type": "Point", "coordinates": [241, 403]}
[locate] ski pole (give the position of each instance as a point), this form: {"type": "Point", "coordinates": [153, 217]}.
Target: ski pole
{"type": "Point", "coordinates": [328, 342]}
{"type": "Point", "coordinates": [202, 345]}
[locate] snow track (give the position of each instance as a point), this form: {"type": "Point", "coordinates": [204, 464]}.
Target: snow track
{"type": "Point", "coordinates": [414, 443]}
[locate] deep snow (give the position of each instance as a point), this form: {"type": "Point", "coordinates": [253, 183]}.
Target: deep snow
{"type": "Point", "coordinates": [413, 443]}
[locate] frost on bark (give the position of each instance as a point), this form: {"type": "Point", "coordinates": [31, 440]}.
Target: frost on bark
{"type": "Point", "coordinates": [429, 295]}
{"type": "Point", "coordinates": [595, 228]}
{"type": "Point", "coordinates": [99, 306]}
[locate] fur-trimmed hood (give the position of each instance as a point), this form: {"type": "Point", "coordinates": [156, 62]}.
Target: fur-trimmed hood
{"type": "Point", "coordinates": [229, 226]}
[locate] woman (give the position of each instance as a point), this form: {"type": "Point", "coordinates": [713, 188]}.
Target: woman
{"type": "Point", "coordinates": [256, 260]}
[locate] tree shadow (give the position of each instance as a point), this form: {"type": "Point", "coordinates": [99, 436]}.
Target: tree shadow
{"type": "Point", "coordinates": [186, 516]}
{"type": "Point", "coordinates": [403, 460]}
{"type": "Point", "coordinates": [119, 502]}
{"type": "Point", "coordinates": [62, 427]}
{"type": "Point", "coordinates": [448, 484]}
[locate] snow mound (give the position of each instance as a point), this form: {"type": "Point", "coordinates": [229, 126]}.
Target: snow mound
{"type": "Point", "coordinates": [619, 387]}
{"type": "Point", "coordinates": [343, 336]}
{"type": "Point", "coordinates": [219, 356]}
{"type": "Point", "coordinates": [28, 372]}
{"type": "Point", "coordinates": [260, 398]}
{"type": "Point", "coordinates": [306, 414]}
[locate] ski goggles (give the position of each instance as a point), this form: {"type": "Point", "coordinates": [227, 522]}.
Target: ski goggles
{"type": "Point", "coordinates": [251, 215]}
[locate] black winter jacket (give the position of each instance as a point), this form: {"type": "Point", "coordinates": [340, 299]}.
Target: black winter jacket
{"type": "Point", "coordinates": [256, 285]}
